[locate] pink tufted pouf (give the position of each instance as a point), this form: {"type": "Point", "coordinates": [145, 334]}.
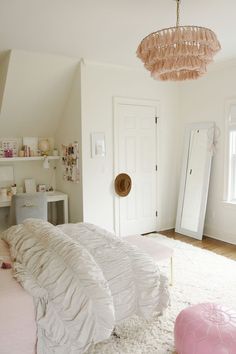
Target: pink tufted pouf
{"type": "Point", "coordinates": [206, 329]}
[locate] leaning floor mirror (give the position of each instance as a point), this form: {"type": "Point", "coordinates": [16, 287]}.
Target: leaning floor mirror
{"type": "Point", "coordinates": [195, 177]}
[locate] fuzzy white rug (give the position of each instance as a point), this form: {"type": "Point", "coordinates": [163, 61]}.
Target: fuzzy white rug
{"type": "Point", "coordinates": [199, 276]}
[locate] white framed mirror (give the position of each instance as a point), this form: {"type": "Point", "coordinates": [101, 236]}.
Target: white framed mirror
{"type": "Point", "coordinates": [195, 177]}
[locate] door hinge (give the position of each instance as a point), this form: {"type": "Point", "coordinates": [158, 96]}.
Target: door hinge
{"type": "Point", "coordinates": [156, 213]}
{"type": "Point", "coordinates": [156, 168]}
{"type": "Point", "coordinates": [156, 119]}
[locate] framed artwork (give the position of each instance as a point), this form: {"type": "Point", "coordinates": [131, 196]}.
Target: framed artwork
{"type": "Point", "coordinates": [9, 147]}
{"type": "Point", "coordinates": [42, 188]}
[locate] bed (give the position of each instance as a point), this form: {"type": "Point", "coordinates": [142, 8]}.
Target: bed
{"type": "Point", "coordinates": [75, 282]}
{"type": "Point", "coordinates": [17, 319]}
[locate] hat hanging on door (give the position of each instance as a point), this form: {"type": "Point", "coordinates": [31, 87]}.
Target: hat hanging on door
{"type": "Point", "coordinates": [123, 184]}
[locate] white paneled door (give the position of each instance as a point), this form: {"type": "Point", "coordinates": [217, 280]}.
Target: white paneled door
{"type": "Point", "coordinates": [136, 154]}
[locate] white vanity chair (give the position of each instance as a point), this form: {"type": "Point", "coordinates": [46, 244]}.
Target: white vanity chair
{"type": "Point", "coordinates": [28, 205]}
{"type": "Point", "coordinates": [157, 251]}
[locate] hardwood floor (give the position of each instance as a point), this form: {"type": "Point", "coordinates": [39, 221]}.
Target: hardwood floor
{"type": "Point", "coordinates": [219, 247]}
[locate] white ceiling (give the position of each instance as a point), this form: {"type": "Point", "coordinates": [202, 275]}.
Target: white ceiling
{"type": "Point", "coordinates": [107, 30]}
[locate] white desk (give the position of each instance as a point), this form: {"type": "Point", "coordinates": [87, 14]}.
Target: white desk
{"type": "Point", "coordinates": [55, 196]}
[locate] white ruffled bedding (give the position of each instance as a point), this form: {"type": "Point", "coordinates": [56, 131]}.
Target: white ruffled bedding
{"type": "Point", "coordinates": [136, 285]}
{"type": "Point", "coordinates": [83, 280]}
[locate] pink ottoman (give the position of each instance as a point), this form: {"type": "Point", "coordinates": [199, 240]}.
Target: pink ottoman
{"type": "Point", "coordinates": [206, 329]}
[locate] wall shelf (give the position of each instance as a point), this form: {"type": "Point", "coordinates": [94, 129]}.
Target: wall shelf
{"type": "Point", "coordinates": [33, 158]}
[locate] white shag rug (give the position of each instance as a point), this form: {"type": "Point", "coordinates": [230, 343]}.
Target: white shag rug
{"type": "Point", "coordinates": [199, 276]}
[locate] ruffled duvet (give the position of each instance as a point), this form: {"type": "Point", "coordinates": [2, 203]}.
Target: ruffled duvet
{"type": "Point", "coordinates": [83, 280]}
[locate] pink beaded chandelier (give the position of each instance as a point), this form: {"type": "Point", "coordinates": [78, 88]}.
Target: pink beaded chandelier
{"type": "Point", "coordinates": [178, 53]}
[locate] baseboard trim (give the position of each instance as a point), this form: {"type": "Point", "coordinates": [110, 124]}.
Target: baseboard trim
{"type": "Point", "coordinates": [169, 228]}
{"type": "Point", "coordinates": [220, 238]}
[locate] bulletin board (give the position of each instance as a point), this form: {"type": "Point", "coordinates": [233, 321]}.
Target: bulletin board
{"type": "Point", "coordinates": [70, 162]}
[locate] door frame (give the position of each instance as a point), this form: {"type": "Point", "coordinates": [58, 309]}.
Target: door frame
{"type": "Point", "coordinates": [133, 102]}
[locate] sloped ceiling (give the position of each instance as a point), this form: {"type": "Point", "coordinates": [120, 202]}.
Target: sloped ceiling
{"type": "Point", "coordinates": [4, 62]}
{"type": "Point", "coordinates": [107, 30]}
{"type": "Point", "coordinates": [35, 93]}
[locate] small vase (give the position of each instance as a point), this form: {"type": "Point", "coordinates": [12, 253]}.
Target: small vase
{"type": "Point", "coordinates": [44, 146]}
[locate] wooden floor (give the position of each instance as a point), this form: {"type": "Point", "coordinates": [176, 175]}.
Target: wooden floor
{"type": "Point", "coordinates": [219, 247]}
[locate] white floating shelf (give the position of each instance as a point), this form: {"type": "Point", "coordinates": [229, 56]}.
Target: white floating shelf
{"type": "Point", "coordinates": [33, 158]}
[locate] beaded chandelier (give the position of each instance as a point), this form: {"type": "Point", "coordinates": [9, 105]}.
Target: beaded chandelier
{"type": "Point", "coordinates": [178, 53]}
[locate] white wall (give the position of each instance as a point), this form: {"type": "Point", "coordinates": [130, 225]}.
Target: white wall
{"type": "Point", "coordinates": [4, 61]}
{"type": "Point", "coordinates": [204, 100]}
{"type": "Point", "coordinates": [35, 93]}
{"type": "Point", "coordinates": [68, 131]}
{"type": "Point", "coordinates": [50, 96]}
{"type": "Point", "coordinates": [100, 83]}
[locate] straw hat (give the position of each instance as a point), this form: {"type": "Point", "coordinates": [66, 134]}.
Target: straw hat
{"type": "Point", "coordinates": [123, 184]}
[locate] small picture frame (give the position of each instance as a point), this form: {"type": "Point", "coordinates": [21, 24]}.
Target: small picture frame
{"type": "Point", "coordinates": [42, 188]}
{"type": "Point", "coordinates": [9, 147]}
{"type": "Point", "coordinates": [30, 185]}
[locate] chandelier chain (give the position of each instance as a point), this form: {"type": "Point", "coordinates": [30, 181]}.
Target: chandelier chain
{"type": "Point", "coordinates": [177, 13]}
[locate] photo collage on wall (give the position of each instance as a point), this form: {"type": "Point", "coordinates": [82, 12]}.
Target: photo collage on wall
{"type": "Point", "coordinates": [70, 162]}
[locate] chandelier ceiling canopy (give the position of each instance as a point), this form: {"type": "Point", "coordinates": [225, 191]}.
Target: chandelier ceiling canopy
{"type": "Point", "coordinates": [178, 53]}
